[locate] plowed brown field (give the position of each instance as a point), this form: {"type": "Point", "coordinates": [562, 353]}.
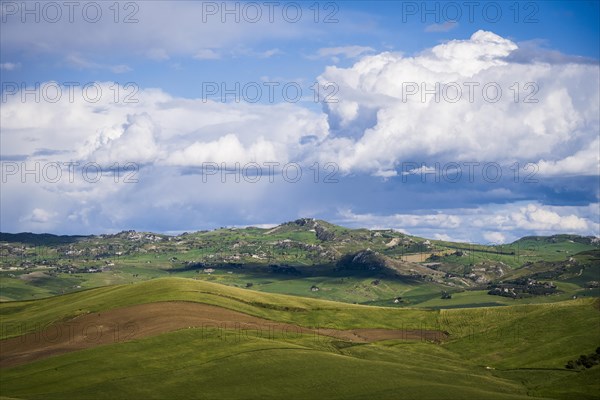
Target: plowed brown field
{"type": "Point", "coordinates": [123, 324]}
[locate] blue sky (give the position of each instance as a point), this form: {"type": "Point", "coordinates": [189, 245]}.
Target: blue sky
{"type": "Point", "coordinates": [393, 133]}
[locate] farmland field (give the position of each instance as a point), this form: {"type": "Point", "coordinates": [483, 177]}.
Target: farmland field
{"type": "Point", "coordinates": [512, 352]}
{"type": "Point", "coordinates": [359, 314]}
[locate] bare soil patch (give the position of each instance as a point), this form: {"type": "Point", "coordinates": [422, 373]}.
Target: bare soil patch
{"type": "Point", "coordinates": [144, 320]}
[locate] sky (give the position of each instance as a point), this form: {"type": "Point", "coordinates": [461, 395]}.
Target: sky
{"type": "Point", "coordinates": [469, 121]}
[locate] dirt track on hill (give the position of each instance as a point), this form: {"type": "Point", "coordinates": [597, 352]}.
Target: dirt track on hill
{"type": "Point", "coordinates": [144, 320]}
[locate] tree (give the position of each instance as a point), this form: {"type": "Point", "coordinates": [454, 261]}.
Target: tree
{"type": "Point", "coordinates": [586, 361]}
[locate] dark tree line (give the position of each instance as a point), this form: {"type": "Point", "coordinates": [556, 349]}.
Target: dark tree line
{"type": "Point", "coordinates": [587, 361]}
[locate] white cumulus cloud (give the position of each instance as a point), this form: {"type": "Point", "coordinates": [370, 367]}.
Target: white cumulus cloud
{"type": "Point", "coordinates": [463, 100]}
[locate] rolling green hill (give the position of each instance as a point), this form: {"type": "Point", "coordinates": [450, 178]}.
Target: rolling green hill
{"type": "Point", "coordinates": [309, 258]}
{"type": "Point", "coordinates": [512, 352]}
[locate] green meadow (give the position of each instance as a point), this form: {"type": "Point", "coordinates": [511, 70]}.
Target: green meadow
{"type": "Point", "coordinates": [510, 352]}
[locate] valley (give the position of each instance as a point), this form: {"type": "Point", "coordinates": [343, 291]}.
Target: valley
{"type": "Point", "coordinates": [305, 307]}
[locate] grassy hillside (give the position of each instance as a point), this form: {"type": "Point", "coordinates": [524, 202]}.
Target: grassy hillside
{"type": "Point", "coordinates": [503, 352]}
{"type": "Point", "coordinates": [186, 364]}
{"type": "Point", "coordinates": [299, 310]}
{"type": "Point", "coordinates": [502, 321]}
{"type": "Point", "coordinates": [349, 265]}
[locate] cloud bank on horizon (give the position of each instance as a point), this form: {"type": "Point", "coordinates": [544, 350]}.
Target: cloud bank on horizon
{"type": "Point", "coordinates": [481, 138]}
